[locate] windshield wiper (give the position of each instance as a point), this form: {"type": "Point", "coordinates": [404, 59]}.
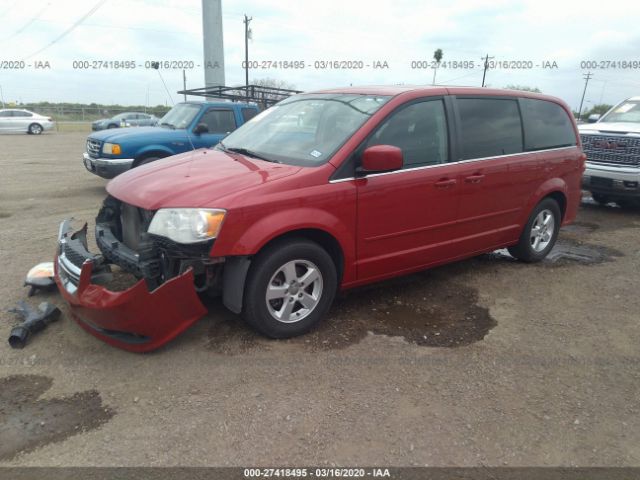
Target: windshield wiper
{"type": "Point", "coordinates": [170, 125]}
{"type": "Point", "coordinates": [248, 153]}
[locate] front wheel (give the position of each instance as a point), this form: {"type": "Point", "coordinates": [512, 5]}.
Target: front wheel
{"type": "Point", "coordinates": [35, 129]}
{"type": "Point", "coordinates": [540, 233]}
{"type": "Point", "coordinates": [290, 287]}
{"type": "Point", "coordinates": [147, 160]}
{"type": "Point", "coordinates": [600, 198]}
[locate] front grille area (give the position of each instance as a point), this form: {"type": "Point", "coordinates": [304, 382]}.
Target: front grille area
{"type": "Point", "coordinates": [612, 149]}
{"type": "Point", "coordinates": [93, 147]}
{"type": "Point", "coordinates": [73, 256]}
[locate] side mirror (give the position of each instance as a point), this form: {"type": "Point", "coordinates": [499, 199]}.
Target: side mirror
{"type": "Point", "coordinates": [201, 128]}
{"type": "Point", "coordinates": [594, 117]}
{"type": "Point", "coordinates": [381, 158]}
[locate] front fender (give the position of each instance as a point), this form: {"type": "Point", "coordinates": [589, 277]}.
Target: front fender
{"type": "Point", "coordinates": [281, 222]}
{"type": "Point", "coordinates": [155, 148]}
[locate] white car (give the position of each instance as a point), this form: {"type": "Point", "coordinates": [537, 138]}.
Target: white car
{"type": "Point", "coordinates": [19, 120]}
{"type": "Point", "coordinates": [612, 146]}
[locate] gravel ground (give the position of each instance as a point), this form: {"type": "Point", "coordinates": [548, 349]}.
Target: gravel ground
{"type": "Point", "coordinates": [483, 362]}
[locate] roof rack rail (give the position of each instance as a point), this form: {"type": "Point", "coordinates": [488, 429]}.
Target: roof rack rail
{"type": "Point", "coordinates": [265, 96]}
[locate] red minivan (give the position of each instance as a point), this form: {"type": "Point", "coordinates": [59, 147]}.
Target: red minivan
{"type": "Point", "coordinates": [324, 191]}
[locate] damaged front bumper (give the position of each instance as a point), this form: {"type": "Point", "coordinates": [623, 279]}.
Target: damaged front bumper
{"type": "Point", "coordinates": [135, 319]}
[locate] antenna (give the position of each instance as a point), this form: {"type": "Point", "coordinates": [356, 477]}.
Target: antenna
{"type": "Point", "coordinates": [156, 66]}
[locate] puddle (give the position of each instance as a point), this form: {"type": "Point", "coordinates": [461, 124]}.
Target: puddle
{"type": "Point", "coordinates": [27, 422]}
{"type": "Point", "coordinates": [580, 228]}
{"type": "Point", "coordinates": [426, 309]}
{"type": "Point", "coordinates": [565, 252]}
{"type": "Point", "coordinates": [569, 251]}
{"type": "Point", "coordinates": [5, 214]}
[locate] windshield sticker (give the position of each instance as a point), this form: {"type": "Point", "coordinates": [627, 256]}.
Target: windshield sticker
{"type": "Point", "coordinates": [315, 153]}
{"type": "Point", "coordinates": [625, 108]}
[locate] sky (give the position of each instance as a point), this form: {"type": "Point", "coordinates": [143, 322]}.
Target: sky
{"type": "Point", "coordinates": [393, 35]}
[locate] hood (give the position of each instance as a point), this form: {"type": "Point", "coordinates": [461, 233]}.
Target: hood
{"type": "Point", "coordinates": [158, 134]}
{"type": "Point", "coordinates": [194, 179]}
{"type": "Point", "coordinates": [610, 127]}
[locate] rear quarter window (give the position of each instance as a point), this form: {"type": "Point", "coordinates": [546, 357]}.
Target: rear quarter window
{"type": "Point", "coordinates": [248, 114]}
{"type": "Point", "coordinates": [490, 127]}
{"type": "Point", "coordinates": [546, 125]}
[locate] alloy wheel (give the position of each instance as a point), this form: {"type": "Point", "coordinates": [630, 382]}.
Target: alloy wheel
{"type": "Point", "coordinates": [294, 291]}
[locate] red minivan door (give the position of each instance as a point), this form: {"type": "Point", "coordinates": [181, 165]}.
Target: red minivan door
{"type": "Point", "coordinates": [493, 171]}
{"type": "Point", "coordinates": [407, 218]}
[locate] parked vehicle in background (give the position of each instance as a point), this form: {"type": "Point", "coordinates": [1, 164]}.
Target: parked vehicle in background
{"type": "Point", "coordinates": [324, 191]}
{"type": "Point", "coordinates": [186, 126]}
{"type": "Point", "coordinates": [20, 120]}
{"type": "Point", "coordinates": [612, 146]}
{"type": "Point", "coordinates": [127, 119]}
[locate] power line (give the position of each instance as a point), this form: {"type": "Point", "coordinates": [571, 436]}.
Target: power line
{"type": "Point", "coordinates": [28, 24]}
{"type": "Point", "coordinates": [70, 29]}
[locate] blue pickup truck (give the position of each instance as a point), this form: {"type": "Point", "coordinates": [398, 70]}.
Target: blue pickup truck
{"type": "Point", "coordinates": [186, 126]}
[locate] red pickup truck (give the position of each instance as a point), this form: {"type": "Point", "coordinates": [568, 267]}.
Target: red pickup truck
{"type": "Point", "coordinates": [324, 191]}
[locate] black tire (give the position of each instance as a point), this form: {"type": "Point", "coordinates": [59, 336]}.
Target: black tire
{"type": "Point", "coordinates": [525, 250]}
{"type": "Point", "coordinates": [144, 161]}
{"type": "Point", "coordinates": [35, 129]}
{"type": "Point", "coordinates": [600, 198]}
{"type": "Point", "coordinates": [628, 203]}
{"type": "Point", "coordinates": [267, 269]}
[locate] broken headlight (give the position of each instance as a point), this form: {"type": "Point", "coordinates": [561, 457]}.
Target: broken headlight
{"type": "Point", "coordinates": [187, 225]}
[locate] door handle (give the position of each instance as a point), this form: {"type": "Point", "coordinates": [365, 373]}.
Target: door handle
{"type": "Point", "coordinates": [475, 178]}
{"type": "Point", "coordinates": [445, 183]}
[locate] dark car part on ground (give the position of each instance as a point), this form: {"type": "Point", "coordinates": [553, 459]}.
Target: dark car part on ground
{"type": "Point", "coordinates": [35, 320]}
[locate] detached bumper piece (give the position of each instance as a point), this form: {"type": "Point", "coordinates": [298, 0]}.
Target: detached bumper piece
{"type": "Point", "coordinates": [135, 319]}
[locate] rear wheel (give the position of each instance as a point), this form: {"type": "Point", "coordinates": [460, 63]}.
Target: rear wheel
{"type": "Point", "coordinates": [290, 287]}
{"type": "Point", "coordinates": [540, 233]}
{"type": "Point", "coordinates": [600, 198]}
{"type": "Point", "coordinates": [35, 129]}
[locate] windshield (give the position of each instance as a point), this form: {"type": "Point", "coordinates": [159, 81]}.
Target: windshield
{"type": "Point", "coordinates": [625, 112]}
{"type": "Point", "coordinates": [304, 130]}
{"type": "Point", "coordinates": [120, 116]}
{"type": "Point", "coordinates": [180, 116]}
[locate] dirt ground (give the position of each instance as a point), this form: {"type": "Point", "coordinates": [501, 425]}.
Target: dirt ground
{"type": "Point", "coordinates": [483, 362]}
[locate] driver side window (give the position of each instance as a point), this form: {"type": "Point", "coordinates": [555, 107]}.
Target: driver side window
{"type": "Point", "coordinates": [219, 121]}
{"type": "Point", "coordinates": [419, 130]}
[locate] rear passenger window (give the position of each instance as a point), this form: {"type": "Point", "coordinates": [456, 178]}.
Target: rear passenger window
{"type": "Point", "coordinates": [248, 114]}
{"type": "Point", "coordinates": [546, 125]}
{"type": "Point", "coordinates": [490, 127]}
{"type": "Point", "coordinates": [419, 130]}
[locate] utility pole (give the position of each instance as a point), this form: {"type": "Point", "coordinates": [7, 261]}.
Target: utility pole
{"type": "Point", "coordinates": [213, 43]}
{"type": "Point", "coordinates": [247, 34]}
{"type": "Point", "coordinates": [587, 76]}
{"type": "Point", "coordinates": [184, 82]}
{"type": "Point", "coordinates": [486, 66]}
